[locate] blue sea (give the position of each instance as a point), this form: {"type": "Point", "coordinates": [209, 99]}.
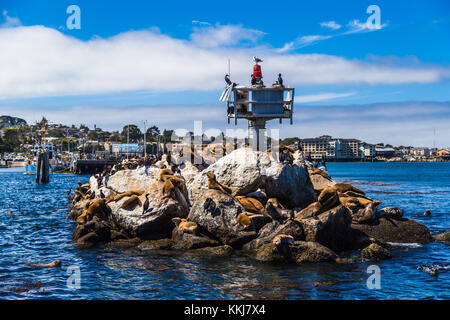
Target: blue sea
{"type": "Point", "coordinates": [38, 231]}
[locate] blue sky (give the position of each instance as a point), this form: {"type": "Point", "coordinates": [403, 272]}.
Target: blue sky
{"type": "Point", "coordinates": [161, 60]}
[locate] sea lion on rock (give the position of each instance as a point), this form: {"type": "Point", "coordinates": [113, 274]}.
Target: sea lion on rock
{"type": "Point", "coordinates": [275, 203]}
{"type": "Point", "coordinates": [321, 172]}
{"type": "Point", "coordinates": [244, 220]}
{"type": "Point", "coordinates": [353, 203]}
{"type": "Point", "coordinates": [283, 239]}
{"type": "Point", "coordinates": [56, 263]}
{"type": "Point", "coordinates": [331, 191]}
{"type": "Point", "coordinates": [250, 204]}
{"type": "Point", "coordinates": [128, 194]}
{"type": "Point", "coordinates": [131, 202]}
{"type": "Point", "coordinates": [368, 213]}
{"type": "Point", "coordinates": [213, 184]}
{"type": "Point", "coordinates": [183, 226]}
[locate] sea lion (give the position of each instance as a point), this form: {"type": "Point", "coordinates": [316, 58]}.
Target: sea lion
{"type": "Point", "coordinates": [283, 239]}
{"type": "Point", "coordinates": [56, 263]}
{"type": "Point", "coordinates": [213, 184]}
{"type": "Point", "coordinates": [353, 204]}
{"type": "Point", "coordinates": [244, 220]}
{"type": "Point", "coordinates": [183, 226]}
{"type": "Point", "coordinates": [368, 213]}
{"type": "Point", "coordinates": [129, 193]}
{"type": "Point", "coordinates": [275, 203]}
{"type": "Point", "coordinates": [131, 202]}
{"type": "Point", "coordinates": [319, 172]}
{"type": "Point", "coordinates": [427, 212]}
{"type": "Point", "coordinates": [250, 204]}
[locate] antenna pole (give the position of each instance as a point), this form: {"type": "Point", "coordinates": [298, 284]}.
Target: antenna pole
{"type": "Point", "coordinates": [229, 72]}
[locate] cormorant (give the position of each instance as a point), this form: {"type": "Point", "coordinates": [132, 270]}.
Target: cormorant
{"type": "Point", "coordinates": [280, 80]}
{"type": "Point", "coordinates": [146, 204]}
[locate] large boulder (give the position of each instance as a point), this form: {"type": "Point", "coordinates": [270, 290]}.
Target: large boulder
{"type": "Point", "coordinates": [396, 230]}
{"type": "Point", "coordinates": [320, 182]}
{"type": "Point", "coordinates": [216, 215]}
{"type": "Point", "coordinates": [156, 223]}
{"type": "Point", "coordinates": [297, 252]}
{"type": "Point", "coordinates": [140, 178]}
{"type": "Point", "coordinates": [330, 228]}
{"type": "Point", "coordinates": [241, 170]}
{"type": "Point", "coordinates": [271, 230]}
{"type": "Point", "coordinates": [375, 252]}
{"type": "Point", "coordinates": [289, 184]}
{"type": "Point", "coordinates": [305, 251]}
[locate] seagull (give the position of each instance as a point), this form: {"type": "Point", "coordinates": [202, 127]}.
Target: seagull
{"type": "Point", "coordinates": [256, 59]}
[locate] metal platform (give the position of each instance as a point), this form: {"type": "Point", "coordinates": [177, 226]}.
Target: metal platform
{"type": "Point", "coordinates": [260, 103]}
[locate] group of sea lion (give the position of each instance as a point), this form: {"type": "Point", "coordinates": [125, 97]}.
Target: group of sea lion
{"type": "Point", "coordinates": [253, 207]}
{"type": "Point", "coordinates": [362, 208]}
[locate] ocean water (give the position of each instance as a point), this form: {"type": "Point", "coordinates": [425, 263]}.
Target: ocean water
{"type": "Point", "coordinates": [38, 231]}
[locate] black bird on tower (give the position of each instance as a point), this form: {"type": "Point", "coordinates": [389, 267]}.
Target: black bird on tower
{"type": "Point", "coordinates": [280, 80]}
{"type": "Point", "coordinates": [228, 81]}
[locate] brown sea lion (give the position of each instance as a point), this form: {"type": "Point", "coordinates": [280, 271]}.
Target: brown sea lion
{"type": "Point", "coordinates": [56, 263]}
{"type": "Point", "coordinates": [250, 204]}
{"type": "Point", "coordinates": [213, 184]}
{"type": "Point", "coordinates": [131, 202]}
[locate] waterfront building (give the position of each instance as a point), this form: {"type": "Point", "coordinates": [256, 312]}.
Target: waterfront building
{"type": "Point", "coordinates": [327, 147]}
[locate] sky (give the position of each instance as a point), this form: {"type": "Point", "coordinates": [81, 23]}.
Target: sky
{"type": "Point", "coordinates": [356, 76]}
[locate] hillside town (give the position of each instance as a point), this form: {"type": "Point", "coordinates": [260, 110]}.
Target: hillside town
{"type": "Point", "coordinates": [19, 139]}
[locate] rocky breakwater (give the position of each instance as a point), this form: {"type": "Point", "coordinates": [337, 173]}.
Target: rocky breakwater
{"type": "Point", "coordinates": [270, 210]}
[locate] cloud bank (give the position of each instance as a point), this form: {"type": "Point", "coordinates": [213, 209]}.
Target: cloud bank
{"type": "Point", "coordinates": [36, 61]}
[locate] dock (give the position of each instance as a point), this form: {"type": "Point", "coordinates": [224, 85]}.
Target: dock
{"type": "Point", "coordinates": [92, 166]}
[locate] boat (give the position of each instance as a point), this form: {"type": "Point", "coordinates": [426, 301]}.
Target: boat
{"type": "Point", "coordinates": [18, 162]}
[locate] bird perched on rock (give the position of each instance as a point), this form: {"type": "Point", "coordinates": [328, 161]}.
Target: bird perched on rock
{"type": "Point", "coordinates": [146, 204]}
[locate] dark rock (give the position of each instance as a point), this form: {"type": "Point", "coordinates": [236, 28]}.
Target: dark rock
{"type": "Point", "coordinates": [189, 241]}
{"type": "Point", "coordinates": [303, 251]}
{"type": "Point", "coordinates": [161, 244]}
{"type": "Point", "coordinates": [443, 236]}
{"type": "Point", "coordinates": [88, 239]}
{"type": "Point", "coordinates": [220, 251]}
{"type": "Point", "coordinates": [399, 230]}
{"type": "Point", "coordinates": [270, 252]}
{"type": "Point", "coordinates": [330, 228]}
{"type": "Point", "coordinates": [375, 252]}
{"type": "Point", "coordinates": [270, 230]}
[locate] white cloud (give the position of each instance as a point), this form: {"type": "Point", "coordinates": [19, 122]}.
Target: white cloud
{"type": "Point", "coordinates": [331, 25]}
{"type": "Point", "coordinates": [355, 26]}
{"type": "Point", "coordinates": [9, 22]}
{"type": "Point", "coordinates": [322, 97]}
{"type": "Point", "coordinates": [226, 35]}
{"type": "Point", "coordinates": [37, 61]}
{"type": "Point", "coordinates": [203, 23]}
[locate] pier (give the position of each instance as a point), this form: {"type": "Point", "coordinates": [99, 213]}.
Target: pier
{"type": "Point", "coordinates": [92, 166]}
